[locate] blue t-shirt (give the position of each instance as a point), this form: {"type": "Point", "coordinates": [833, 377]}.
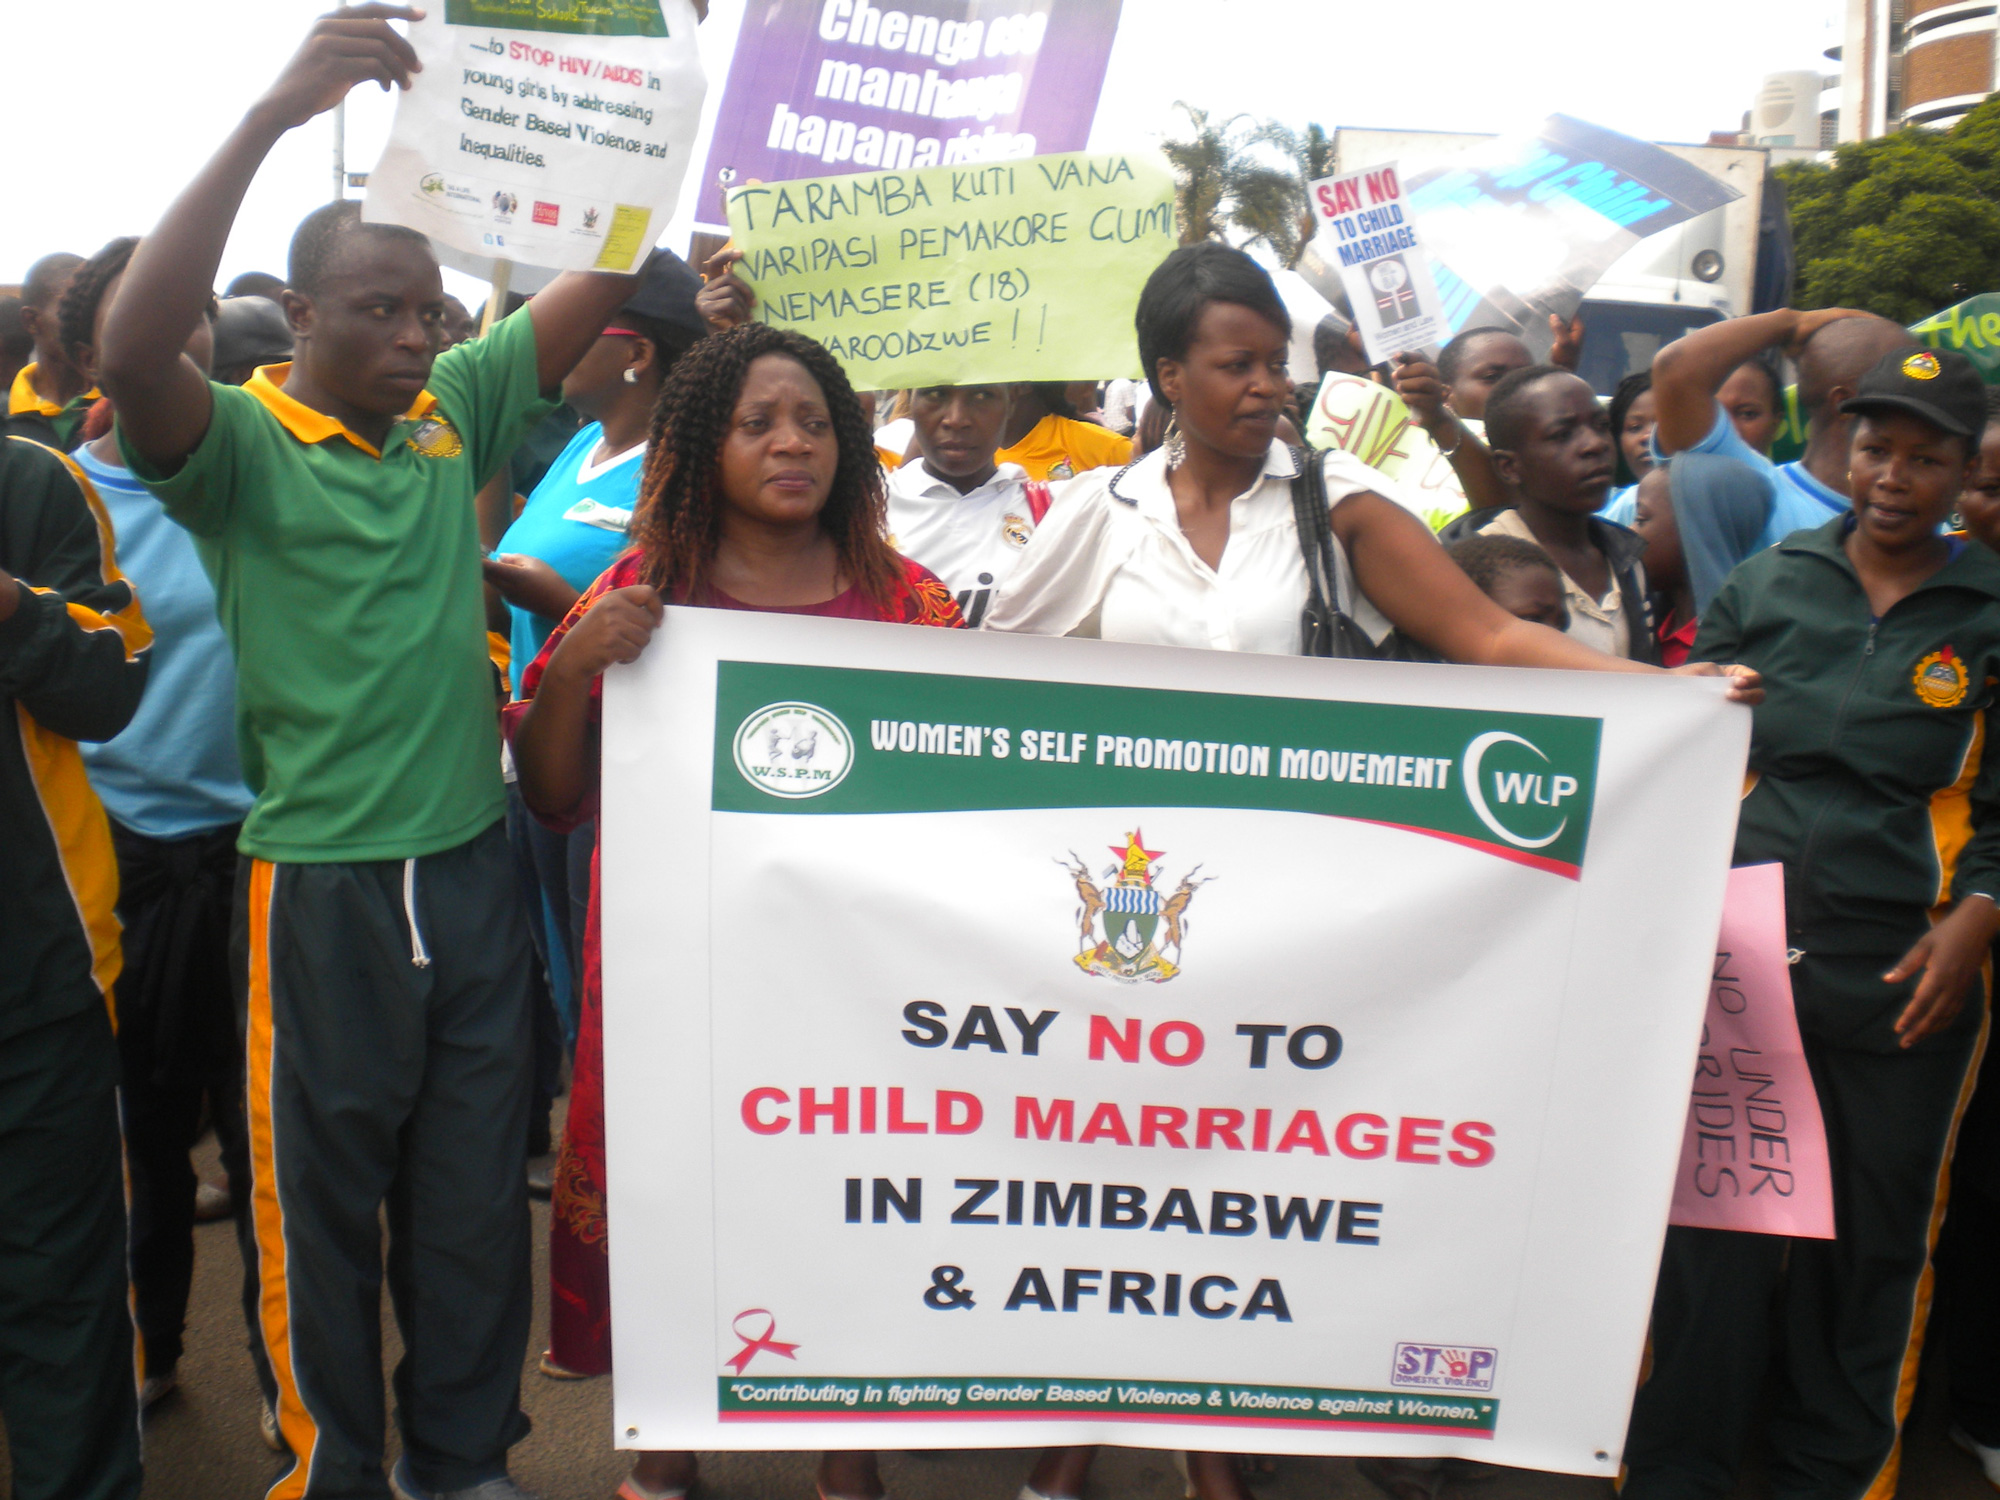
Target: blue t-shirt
{"type": "Point", "coordinates": [1798, 501]}
{"type": "Point", "coordinates": [173, 771]}
{"type": "Point", "coordinates": [1622, 505]}
{"type": "Point", "coordinates": [575, 522]}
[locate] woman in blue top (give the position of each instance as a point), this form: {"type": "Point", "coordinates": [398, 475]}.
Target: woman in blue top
{"type": "Point", "coordinates": [567, 533]}
{"type": "Point", "coordinates": [574, 523]}
{"type": "Point", "coordinates": [173, 786]}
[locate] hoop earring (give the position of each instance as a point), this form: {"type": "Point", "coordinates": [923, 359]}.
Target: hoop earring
{"type": "Point", "coordinates": [631, 376]}
{"type": "Point", "coordinates": [1173, 442]}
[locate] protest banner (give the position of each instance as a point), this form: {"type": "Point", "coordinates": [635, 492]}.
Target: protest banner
{"type": "Point", "coordinates": [1753, 1157]}
{"type": "Point", "coordinates": [1972, 327]}
{"type": "Point", "coordinates": [544, 135]}
{"type": "Point", "coordinates": [1025, 270]}
{"type": "Point", "coordinates": [831, 85]}
{"type": "Point", "coordinates": [1363, 230]}
{"type": "Point", "coordinates": [1522, 226]}
{"type": "Point", "coordinates": [1013, 1040]}
{"type": "Point", "coordinates": [1374, 424]}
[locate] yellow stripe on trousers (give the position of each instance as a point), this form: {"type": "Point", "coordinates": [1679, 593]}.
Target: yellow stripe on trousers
{"type": "Point", "coordinates": [267, 1211]}
{"type": "Point", "coordinates": [1884, 1487]}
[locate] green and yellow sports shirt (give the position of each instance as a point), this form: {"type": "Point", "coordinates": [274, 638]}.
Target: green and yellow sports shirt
{"type": "Point", "coordinates": [348, 582]}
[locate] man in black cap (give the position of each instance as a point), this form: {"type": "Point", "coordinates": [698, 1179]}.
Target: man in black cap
{"type": "Point", "coordinates": [1872, 783]}
{"type": "Point", "coordinates": [249, 332]}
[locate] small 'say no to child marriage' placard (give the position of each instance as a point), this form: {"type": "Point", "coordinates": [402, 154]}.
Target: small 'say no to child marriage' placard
{"type": "Point", "coordinates": [1366, 230]}
{"type": "Point", "coordinates": [1021, 270]}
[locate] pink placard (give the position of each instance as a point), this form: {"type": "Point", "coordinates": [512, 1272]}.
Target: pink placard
{"type": "Point", "coordinates": [1754, 1155]}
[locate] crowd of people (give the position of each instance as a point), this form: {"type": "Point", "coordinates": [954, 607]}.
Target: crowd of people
{"type": "Point", "coordinates": [306, 598]}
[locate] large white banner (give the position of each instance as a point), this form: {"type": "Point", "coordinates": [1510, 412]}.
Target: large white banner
{"type": "Point", "coordinates": [1016, 1041]}
{"type": "Point", "coordinates": [551, 135]}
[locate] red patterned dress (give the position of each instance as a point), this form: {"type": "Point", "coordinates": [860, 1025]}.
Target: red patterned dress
{"type": "Point", "coordinates": [579, 1261]}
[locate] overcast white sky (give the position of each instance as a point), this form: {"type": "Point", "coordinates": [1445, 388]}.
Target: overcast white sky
{"type": "Point", "coordinates": [111, 106]}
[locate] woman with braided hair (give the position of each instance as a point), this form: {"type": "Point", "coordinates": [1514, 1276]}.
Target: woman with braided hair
{"type": "Point", "coordinates": [761, 491]}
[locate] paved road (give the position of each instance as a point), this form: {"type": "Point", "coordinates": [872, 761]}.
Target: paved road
{"type": "Point", "coordinates": [202, 1442]}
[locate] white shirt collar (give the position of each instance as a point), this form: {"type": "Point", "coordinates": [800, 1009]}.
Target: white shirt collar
{"type": "Point", "coordinates": [916, 482]}
{"type": "Point", "coordinates": [587, 470]}
{"type": "Point", "coordinates": [1144, 485]}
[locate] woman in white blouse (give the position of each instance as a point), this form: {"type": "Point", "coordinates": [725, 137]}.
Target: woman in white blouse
{"type": "Point", "coordinates": [1196, 545]}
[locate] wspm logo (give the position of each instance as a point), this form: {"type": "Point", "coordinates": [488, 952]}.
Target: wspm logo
{"type": "Point", "coordinates": [1515, 790]}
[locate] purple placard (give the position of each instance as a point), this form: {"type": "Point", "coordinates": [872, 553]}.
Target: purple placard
{"type": "Point", "coordinates": [822, 87]}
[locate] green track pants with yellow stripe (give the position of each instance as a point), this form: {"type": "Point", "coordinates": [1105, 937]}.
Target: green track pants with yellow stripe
{"type": "Point", "coordinates": [1836, 1326]}
{"type": "Point", "coordinates": [388, 1062]}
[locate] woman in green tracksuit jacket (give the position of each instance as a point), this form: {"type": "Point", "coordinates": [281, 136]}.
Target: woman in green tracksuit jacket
{"type": "Point", "coordinates": [1870, 779]}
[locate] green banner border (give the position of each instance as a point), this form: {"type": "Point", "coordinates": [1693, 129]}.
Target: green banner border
{"type": "Point", "coordinates": [562, 17]}
{"type": "Point", "coordinates": [1211, 1404]}
{"type": "Point", "coordinates": [889, 780]}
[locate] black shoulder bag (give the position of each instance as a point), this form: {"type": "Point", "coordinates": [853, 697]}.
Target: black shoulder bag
{"type": "Point", "coordinates": [1324, 628]}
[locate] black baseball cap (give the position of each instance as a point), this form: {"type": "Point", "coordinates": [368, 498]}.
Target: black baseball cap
{"type": "Point", "coordinates": [666, 293]}
{"type": "Point", "coordinates": [1940, 385]}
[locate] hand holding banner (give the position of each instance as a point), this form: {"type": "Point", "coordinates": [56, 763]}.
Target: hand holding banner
{"type": "Point", "coordinates": [1025, 270]}
{"type": "Point", "coordinates": [547, 135]}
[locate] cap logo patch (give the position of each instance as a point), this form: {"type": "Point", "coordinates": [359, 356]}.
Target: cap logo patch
{"type": "Point", "coordinates": [1940, 679]}
{"type": "Point", "coordinates": [1923, 366]}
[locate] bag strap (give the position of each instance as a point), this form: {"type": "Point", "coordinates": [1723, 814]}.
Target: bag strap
{"type": "Point", "coordinates": [1309, 512]}
{"type": "Point", "coordinates": [1039, 500]}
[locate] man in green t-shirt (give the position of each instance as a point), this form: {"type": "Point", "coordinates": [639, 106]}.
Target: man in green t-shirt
{"type": "Point", "coordinates": [387, 1013]}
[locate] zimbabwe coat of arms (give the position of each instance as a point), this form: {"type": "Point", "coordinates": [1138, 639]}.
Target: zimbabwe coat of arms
{"type": "Point", "coordinates": [1127, 930]}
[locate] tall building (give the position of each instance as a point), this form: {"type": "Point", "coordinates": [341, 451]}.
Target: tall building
{"type": "Point", "coordinates": [1914, 62]}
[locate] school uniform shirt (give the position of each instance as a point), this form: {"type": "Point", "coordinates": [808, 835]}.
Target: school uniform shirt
{"type": "Point", "coordinates": [174, 770]}
{"type": "Point", "coordinates": [1676, 641]}
{"type": "Point", "coordinates": [29, 415]}
{"type": "Point", "coordinates": [1059, 447]}
{"type": "Point", "coordinates": [972, 541]}
{"type": "Point", "coordinates": [1605, 624]}
{"type": "Point", "coordinates": [347, 580]}
{"type": "Point", "coordinates": [1109, 560]}
{"type": "Point", "coordinates": [73, 662]}
{"type": "Point", "coordinates": [1798, 500]}
{"type": "Point", "coordinates": [576, 522]}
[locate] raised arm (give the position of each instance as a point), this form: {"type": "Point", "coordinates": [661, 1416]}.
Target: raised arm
{"type": "Point", "coordinates": [162, 399]}
{"type": "Point", "coordinates": [570, 314]}
{"type": "Point", "coordinates": [1423, 391]}
{"type": "Point", "coordinates": [1688, 372]}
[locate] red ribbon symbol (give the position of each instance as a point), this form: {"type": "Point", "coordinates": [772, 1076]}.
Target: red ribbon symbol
{"type": "Point", "coordinates": [756, 1344]}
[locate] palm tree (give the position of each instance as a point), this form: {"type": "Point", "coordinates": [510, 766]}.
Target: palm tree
{"type": "Point", "coordinates": [1205, 164]}
{"type": "Point", "coordinates": [1224, 184]}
